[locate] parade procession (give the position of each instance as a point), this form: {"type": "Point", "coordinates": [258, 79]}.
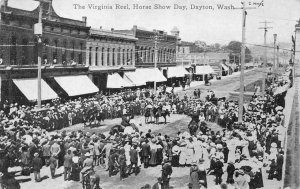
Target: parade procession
{"type": "Point", "coordinates": [85, 107]}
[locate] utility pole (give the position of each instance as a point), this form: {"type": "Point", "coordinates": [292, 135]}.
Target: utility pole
{"type": "Point", "coordinates": [155, 57]}
{"type": "Point", "coordinates": [277, 55]}
{"type": "Point", "coordinates": [274, 56]}
{"type": "Point", "coordinates": [265, 55]}
{"type": "Point", "coordinates": [38, 30]}
{"type": "Point", "coordinates": [241, 95]}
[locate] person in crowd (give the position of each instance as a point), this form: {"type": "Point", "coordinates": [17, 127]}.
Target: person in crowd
{"type": "Point", "coordinates": [67, 165]}
{"type": "Point", "coordinates": [145, 153]}
{"type": "Point", "coordinates": [218, 171]}
{"type": "Point", "coordinates": [133, 160]}
{"type": "Point", "coordinates": [87, 165]}
{"type": "Point", "coordinates": [230, 171]}
{"type": "Point", "coordinates": [166, 173]}
{"type": "Point", "coordinates": [53, 165]}
{"type": "Point", "coordinates": [194, 176]}
{"type": "Point", "coordinates": [37, 165]}
{"type": "Point", "coordinates": [122, 164]}
{"type": "Point", "coordinates": [158, 184]}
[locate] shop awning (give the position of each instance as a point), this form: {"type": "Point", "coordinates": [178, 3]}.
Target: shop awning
{"type": "Point", "coordinates": [76, 85]}
{"type": "Point", "coordinates": [133, 78]}
{"type": "Point", "coordinates": [177, 71]}
{"type": "Point", "coordinates": [29, 88]}
{"type": "Point", "coordinates": [150, 75]}
{"type": "Point", "coordinates": [225, 67]}
{"type": "Point", "coordinates": [115, 81]}
{"type": "Point", "coordinates": [202, 70]}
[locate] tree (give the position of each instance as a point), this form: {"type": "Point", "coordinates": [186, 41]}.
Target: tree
{"type": "Point", "coordinates": [235, 47]}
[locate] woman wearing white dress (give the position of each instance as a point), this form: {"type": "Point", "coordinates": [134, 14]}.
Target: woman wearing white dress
{"type": "Point", "coordinates": [127, 148]}
{"type": "Point", "coordinates": [189, 151]}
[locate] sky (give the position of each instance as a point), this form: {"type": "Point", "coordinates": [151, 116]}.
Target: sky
{"type": "Point", "coordinates": [211, 26]}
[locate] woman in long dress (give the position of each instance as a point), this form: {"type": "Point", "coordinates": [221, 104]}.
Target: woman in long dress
{"type": "Point", "coordinates": [153, 160]}
{"type": "Point", "coordinates": [159, 153]}
{"type": "Point", "coordinates": [194, 176]}
{"type": "Point", "coordinates": [202, 173]}
{"type": "Point", "coordinates": [127, 148]}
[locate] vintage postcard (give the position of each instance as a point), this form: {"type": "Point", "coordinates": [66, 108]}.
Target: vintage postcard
{"type": "Point", "coordinates": [149, 94]}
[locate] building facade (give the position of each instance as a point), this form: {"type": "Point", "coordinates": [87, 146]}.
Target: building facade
{"type": "Point", "coordinates": [107, 52]}
{"type": "Point", "coordinates": [145, 47]}
{"type": "Point", "coordinates": [63, 45]}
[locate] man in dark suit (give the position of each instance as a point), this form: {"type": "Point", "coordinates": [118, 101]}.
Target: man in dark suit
{"type": "Point", "coordinates": [133, 159]}
{"type": "Point", "coordinates": [279, 163]}
{"type": "Point", "coordinates": [158, 185]}
{"type": "Point", "coordinates": [166, 173]}
{"type": "Point", "coordinates": [37, 165]}
{"type": "Point", "coordinates": [218, 171]}
{"type": "Point", "coordinates": [67, 165]}
{"type": "Point", "coordinates": [145, 153]}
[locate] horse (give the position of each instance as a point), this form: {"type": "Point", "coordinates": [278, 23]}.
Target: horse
{"type": "Point", "coordinates": [148, 114]}
{"type": "Point", "coordinates": [93, 118]}
{"type": "Point", "coordinates": [158, 112]}
{"type": "Point", "coordinates": [193, 127]}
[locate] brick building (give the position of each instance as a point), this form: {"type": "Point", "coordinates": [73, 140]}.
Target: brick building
{"type": "Point", "coordinates": [144, 50]}
{"type": "Point", "coordinates": [63, 51]}
{"type": "Point", "coordinates": [108, 52]}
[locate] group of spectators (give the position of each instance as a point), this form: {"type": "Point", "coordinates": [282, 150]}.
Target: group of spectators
{"type": "Point", "coordinates": [240, 149]}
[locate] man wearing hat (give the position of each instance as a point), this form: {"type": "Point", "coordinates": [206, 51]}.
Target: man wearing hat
{"type": "Point", "coordinates": [230, 171]}
{"type": "Point", "coordinates": [133, 160]}
{"type": "Point", "coordinates": [158, 184]}
{"type": "Point", "coordinates": [145, 153]}
{"type": "Point", "coordinates": [218, 170]}
{"type": "Point", "coordinates": [37, 164]}
{"type": "Point", "coordinates": [166, 173]}
{"type": "Point", "coordinates": [87, 165]}
{"type": "Point", "coordinates": [194, 175]}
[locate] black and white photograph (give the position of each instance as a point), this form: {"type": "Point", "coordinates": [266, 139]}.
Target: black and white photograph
{"type": "Point", "coordinates": [149, 94]}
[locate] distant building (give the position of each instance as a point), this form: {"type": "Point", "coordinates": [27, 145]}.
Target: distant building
{"type": "Point", "coordinates": [63, 51]}
{"type": "Point", "coordinates": [144, 50]}
{"type": "Point", "coordinates": [109, 51]}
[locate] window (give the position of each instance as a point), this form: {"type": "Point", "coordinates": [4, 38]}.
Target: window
{"type": "Point", "coordinates": [128, 56]}
{"type": "Point", "coordinates": [118, 56]}
{"type": "Point", "coordinates": [96, 56]}
{"type": "Point", "coordinates": [24, 51]}
{"type": "Point", "coordinates": [13, 51]}
{"type": "Point", "coordinates": [80, 54]}
{"type": "Point", "coordinates": [45, 53]}
{"type": "Point", "coordinates": [55, 52]}
{"type": "Point", "coordinates": [108, 56]}
{"type": "Point", "coordinates": [102, 56]}
{"type": "Point", "coordinates": [113, 57]}
{"type": "Point", "coordinates": [123, 57]}
{"type": "Point", "coordinates": [90, 56]}
{"type": "Point", "coordinates": [64, 53]}
{"type": "Point", "coordinates": [73, 51]}
{"type": "Point", "coordinates": [131, 54]}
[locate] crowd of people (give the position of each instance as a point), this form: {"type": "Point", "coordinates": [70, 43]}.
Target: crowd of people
{"type": "Point", "coordinates": [240, 149]}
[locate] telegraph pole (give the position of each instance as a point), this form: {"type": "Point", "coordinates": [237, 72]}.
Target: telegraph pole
{"type": "Point", "coordinates": [241, 95]}
{"type": "Point", "coordinates": [38, 32]}
{"type": "Point", "coordinates": [265, 55]}
{"type": "Point", "coordinates": [155, 57]}
{"type": "Point", "coordinates": [274, 56]}
{"type": "Point", "coordinates": [277, 55]}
